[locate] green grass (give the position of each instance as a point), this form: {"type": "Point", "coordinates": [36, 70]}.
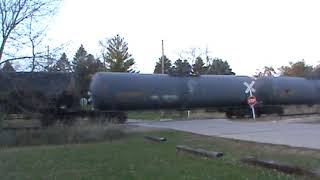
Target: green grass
{"type": "Point", "coordinates": [173, 114]}
{"type": "Point", "coordinates": [156, 115]}
{"type": "Point", "coordinates": [135, 158]}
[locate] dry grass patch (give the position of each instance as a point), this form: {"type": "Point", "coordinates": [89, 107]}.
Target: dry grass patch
{"type": "Point", "coordinates": [60, 134]}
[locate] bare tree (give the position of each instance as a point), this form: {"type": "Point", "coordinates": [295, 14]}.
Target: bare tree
{"type": "Point", "coordinates": [36, 37]}
{"type": "Point", "coordinates": [266, 71]}
{"type": "Point", "coordinates": [194, 53]}
{"type": "Point", "coordinates": [41, 55]}
{"type": "Point", "coordinates": [191, 54]}
{"type": "Point", "coordinates": [15, 19]}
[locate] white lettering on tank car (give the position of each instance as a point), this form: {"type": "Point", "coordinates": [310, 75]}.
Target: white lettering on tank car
{"type": "Point", "coordinates": [170, 98]}
{"type": "Point", "coordinates": [154, 97]}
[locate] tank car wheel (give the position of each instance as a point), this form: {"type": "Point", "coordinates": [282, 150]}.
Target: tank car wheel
{"type": "Point", "coordinates": [229, 114]}
{"type": "Point", "coordinates": [240, 115]}
{"type": "Point", "coordinates": [122, 117]}
{"type": "Point", "coordinates": [258, 114]}
{"type": "Point", "coordinates": [280, 111]}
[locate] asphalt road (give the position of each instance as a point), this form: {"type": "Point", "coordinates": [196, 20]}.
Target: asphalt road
{"type": "Point", "coordinates": [284, 133]}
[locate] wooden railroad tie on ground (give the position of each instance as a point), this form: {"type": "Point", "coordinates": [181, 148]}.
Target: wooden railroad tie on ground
{"type": "Point", "coordinates": [155, 139]}
{"type": "Point", "coordinates": [197, 151]}
{"type": "Point", "coordinates": [285, 168]}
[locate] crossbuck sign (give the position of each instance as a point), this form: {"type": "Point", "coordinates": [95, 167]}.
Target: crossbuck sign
{"type": "Point", "coordinates": [251, 90]}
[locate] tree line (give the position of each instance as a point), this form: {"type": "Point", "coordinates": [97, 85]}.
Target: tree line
{"type": "Point", "coordinates": [296, 69]}
{"type": "Point", "coordinates": [183, 67]}
{"type": "Point", "coordinates": [23, 35]}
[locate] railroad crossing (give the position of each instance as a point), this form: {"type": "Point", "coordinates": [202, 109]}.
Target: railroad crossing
{"type": "Point", "coordinates": [252, 100]}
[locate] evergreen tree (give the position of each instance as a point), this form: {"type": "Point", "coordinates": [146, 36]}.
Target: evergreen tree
{"type": "Point", "coordinates": [167, 66]}
{"type": "Point", "coordinates": [7, 67]}
{"type": "Point", "coordinates": [62, 65]}
{"type": "Point", "coordinates": [84, 66]}
{"type": "Point", "coordinates": [219, 67]}
{"type": "Point", "coordinates": [181, 67]}
{"type": "Point", "coordinates": [116, 56]}
{"type": "Point", "coordinates": [79, 56]}
{"type": "Point", "coordinates": [199, 66]}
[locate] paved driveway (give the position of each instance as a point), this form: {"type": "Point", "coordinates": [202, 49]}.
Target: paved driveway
{"type": "Point", "coordinates": [292, 134]}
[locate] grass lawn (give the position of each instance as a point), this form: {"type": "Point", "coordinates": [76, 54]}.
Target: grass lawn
{"type": "Point", "coordinates": [156, 115]}
{"type": "Point", "coordinates": [173, 114]}
{"type": "Point", "coordinates": [152, 115]}
{"type": "Point", "coordinates": [135, 158]}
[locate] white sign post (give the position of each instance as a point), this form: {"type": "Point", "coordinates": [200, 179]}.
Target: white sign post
{"type": "Point", "coordinates": [253, 112]}
{"type": "Point", "coordinates": [251, 99]}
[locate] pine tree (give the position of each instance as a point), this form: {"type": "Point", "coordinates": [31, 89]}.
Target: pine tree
{"type": "Point", "coordinates": [167, 66]}
{"type": "Point", "coordinates": [62, 65]}
{"type": "Point", "coordinates": [219, 67]}
{"type": "Point", "coordinates": [181, 67]}
{"type": "Point", "coordinates": [116, 56]}
{"type": "Point", "coordinates": [79, 56]}
{"type": "Point", "coordinates": [84, 66]}
{"type": "Point", "coordinates": [199, 66]}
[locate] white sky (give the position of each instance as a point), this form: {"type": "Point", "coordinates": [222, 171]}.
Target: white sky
{"type": "Point", "coordinates": [249, 34]}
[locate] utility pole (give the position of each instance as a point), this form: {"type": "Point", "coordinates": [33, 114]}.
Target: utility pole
{"type": "Point", "coordinates": [162, 59]}
{"type": "Point", "coordinates": [48, 59]}
{"type": "Point", "coordinates": [48, 54]}
{"type": "Point", "coordinates": [162, 71]}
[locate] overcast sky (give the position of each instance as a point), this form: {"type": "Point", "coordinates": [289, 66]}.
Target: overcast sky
{"type": "Point", "coordinates": [249, 34]}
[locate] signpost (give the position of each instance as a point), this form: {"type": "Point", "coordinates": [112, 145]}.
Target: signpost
{"type": "Point", "coordinates": [252, 100]}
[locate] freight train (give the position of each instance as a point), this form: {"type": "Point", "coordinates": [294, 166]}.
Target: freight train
{"type": "Point", "coordinates": [56, 97]}
{"type": "Point", "coordinates": [52, 96]}
{"type": "Point", "coordinates": [36, 92]}
{"type": "Point", "coordinates": [226, 93]}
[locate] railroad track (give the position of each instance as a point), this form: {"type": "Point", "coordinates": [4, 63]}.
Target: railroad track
{"type": "Point", "coordinates": [19, 123]}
